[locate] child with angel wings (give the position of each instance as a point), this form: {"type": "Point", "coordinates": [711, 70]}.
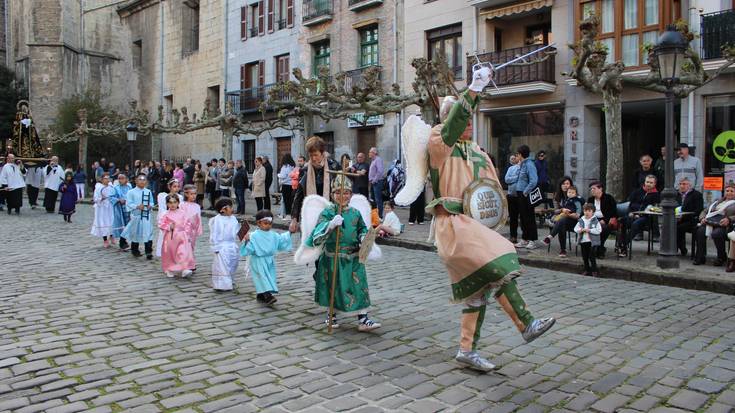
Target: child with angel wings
{"type": "Point", "coordinates": [350, 248]}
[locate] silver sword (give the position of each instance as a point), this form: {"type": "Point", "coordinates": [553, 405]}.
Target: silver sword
{"type": "Point", "coordinates": [494, 68]}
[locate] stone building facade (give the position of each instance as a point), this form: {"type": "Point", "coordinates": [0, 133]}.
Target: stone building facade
{"type": "Point", "coordinates": [350, 36]}
{"type": "Point", "coordinates": [60, 49]}
{"type": "Point", "coordinates": [175, 49]}
{"type": "Point", "coordinates": [262, 49]}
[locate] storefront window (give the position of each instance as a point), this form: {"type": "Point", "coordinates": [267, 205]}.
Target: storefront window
{"type": "Point", "coordinates": [720, 114]}
{"type": "Point", "coordinates": [540, 130]}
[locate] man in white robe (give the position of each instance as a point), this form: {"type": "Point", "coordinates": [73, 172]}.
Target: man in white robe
{"type": "Point", "coordinates": [53, 177]}
{"type": "Point", "coordinates": [33, 184]}
{"type": "Point", "coordinates": [12, 182]}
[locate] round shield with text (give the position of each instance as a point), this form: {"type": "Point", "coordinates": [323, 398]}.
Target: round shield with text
{"type": "Point", "coordinates": [484, 200]}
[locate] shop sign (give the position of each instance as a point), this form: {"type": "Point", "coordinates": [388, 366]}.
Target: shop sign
{"type": "Point", "coordinates": [357, 120]}
{"type": "Point", "coordinates": [724, 147]}
{"type": "Point", "coordinates": [713, 183]}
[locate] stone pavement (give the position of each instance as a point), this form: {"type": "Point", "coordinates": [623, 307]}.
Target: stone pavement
{"type": "Point", "coordinates": [88, 329]}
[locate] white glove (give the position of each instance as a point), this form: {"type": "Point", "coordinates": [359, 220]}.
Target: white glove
{"type": "Point", "coordinates": [335, 222]}
{"type": "Point", "coordinates": [480, 79]}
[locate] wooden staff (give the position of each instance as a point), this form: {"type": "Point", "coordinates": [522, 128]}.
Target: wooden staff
{"type": "Point", "coordinates": [343, 172]}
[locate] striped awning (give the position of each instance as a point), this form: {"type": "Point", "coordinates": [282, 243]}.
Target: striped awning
{"type": "Point", "coordinates": [521, 7]}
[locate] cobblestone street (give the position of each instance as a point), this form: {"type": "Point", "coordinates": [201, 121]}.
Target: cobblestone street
{"type": "Point", "coordinates": [84, 328]}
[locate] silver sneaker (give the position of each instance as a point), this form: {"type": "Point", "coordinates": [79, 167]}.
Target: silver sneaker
{"type": "Point", "coordinates": [473, 360]}
{"type": "Point", "coordinates": [521, 244]}
{"type": "Point", "coordinates": [537, 327]}
{"type": "Point", "coordinates": [531, 245]}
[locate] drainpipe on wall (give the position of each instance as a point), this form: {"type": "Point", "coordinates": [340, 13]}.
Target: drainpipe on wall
{"type": "Point", "coordinates": [223, 103]}
{"type": "Point", "coordinates": [690, 98]}
{"type": "Point", "coordinates": [395, 76]}
{"type": "Point", "coordinates": [81, 46]}
{"type": "Point", "coordinates": [160, 7]}
{"type": "Point", "coordinates": [475, 45]}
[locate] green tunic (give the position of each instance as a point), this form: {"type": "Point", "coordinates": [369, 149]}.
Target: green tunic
{"type": "Point", "coordinates": [351, 290]}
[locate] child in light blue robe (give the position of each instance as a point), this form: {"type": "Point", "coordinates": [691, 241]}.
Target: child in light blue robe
{"type": "Point", "coordinates": [262, 246]}
{"type": "Point", "coordinates": [139, 230]}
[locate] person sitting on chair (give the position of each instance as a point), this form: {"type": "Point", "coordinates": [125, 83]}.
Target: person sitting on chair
{"type": "Point", "coordinates": [690, 200]}
{"type": "Point", "coordinates": [635, 224]}
{"type": "Point", "coordinates": [715, 222]}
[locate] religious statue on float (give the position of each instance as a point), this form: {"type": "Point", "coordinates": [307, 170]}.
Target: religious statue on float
{"type": "Point", "coordinates": [25, 143]}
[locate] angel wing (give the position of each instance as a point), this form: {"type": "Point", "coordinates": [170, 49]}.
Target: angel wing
{"type": "Point", "coordinates": [360, 203]}
{"type": "Point", "coordinates": [415, 142]}
{"type": "Point", "coordinates": [310, 212]}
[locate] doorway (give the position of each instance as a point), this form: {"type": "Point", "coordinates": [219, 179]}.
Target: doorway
{"type": "Point", "coordinates": [644, 132]}
{"type": "Point", "coordinates": [365, 140]}
{"type": "Point", "coordinates": [283, 146]}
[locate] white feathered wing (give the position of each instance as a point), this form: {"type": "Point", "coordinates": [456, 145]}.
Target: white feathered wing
{"type": "Point", "coordinates": [360, 203]}
{"type": "Point", "coordinates": [415, 134]}
{"type": "Point", "coordinates": [310, 211]}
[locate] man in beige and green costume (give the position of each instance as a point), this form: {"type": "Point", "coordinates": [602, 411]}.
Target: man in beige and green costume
{"type": "Point", "coordinates": [480, 262]}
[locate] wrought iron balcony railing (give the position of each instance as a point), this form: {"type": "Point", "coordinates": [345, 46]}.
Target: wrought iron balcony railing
{"type": "Point", "coordinates": [539, 71]}
{"type": "Point", "coordinates": [356, 5]}
{"type": "Point", "coordinates": [717, 29]}
{"type": "Point", "coordinates": [315, 11]}
{"type": "Point", "coordinates": [249, 100]}
{"type": "Point", "coordinates": [357, 77]}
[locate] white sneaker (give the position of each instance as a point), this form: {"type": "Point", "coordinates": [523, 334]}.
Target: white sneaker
{"type": "Point", "coordinates": [186, 273]}
{"type": "Point", "coordinates": [521, 244]}
{"type": "Point", "coordinates": [169, 274]}
{"type": "Point", "coordinates": [531, 245]}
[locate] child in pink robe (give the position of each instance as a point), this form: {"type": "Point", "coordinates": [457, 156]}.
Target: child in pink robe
{"type": "Point", "coordinates": [194, 214]}
{"type": "Point", "coordinates": [176, 252]}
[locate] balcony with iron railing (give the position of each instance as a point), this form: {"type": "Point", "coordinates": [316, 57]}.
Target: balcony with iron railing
{"type": "Point", "coordinates": [316, 11]}
{"type": "Point", "coordinates": [717, 29]}
{"type": "Point", "coordinates": [356, 77]}
{"type": "Point", "coordinates": [356, 5]}
{"type": "Point", "coordinates": [536, 75]}
{"type": "Point", "coordinates": [247, 101]}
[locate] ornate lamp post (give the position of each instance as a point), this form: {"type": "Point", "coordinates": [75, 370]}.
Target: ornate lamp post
{"type": "Point", "coordinates": [669, 51]}
{"type": "Point", "coordinates": [132, 130]}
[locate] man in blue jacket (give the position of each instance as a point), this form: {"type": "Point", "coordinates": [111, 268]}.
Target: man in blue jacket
{"type": "Point", "coordinates": [527, 182]}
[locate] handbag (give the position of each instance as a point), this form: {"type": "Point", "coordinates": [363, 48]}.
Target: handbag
{"type": "Point", "coordinates": [534, 197]}
{"type": "Point", "coordinates": [714, 220]}
{"type": "Point", "coordinates": [613, 224]}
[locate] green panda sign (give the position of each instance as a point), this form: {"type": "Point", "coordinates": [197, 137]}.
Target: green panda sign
{"type": "Point", "coordinates": [724, 147]}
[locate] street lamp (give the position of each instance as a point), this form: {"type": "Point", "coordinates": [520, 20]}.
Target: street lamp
{"type": "Point", "coordinates": [669, 52]}
{"type": "Point", "coordinates": [132, 130]}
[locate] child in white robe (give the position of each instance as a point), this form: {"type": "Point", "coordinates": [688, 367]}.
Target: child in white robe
{"type": "Point", "coordinates": [103, 211]}
{"type": "Point", "coordinates": [224, 241]}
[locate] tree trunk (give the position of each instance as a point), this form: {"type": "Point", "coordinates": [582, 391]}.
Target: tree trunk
{"type": "Point", "coordinates": [227, 143]}
{"type": "Point", "coordinates": [82, 154]}
{"type": "Point", "coordinates": [614, 134]}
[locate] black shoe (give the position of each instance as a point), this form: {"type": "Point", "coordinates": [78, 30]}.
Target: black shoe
{"type": "Point", "coordinates": [136, 253]}
{"type": "Point", "coordinates": [260, 298]}
{"type": "Point", "coordinates": [719, 262]}
{"type": "Point", "coordinates": [684, 252]}
{"type": "Point", "coordinates": [270, 299]}
{"type": "Point", "coordinates": [149, 256]}
{"type": "Point", "coordinates": [698, 261]}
